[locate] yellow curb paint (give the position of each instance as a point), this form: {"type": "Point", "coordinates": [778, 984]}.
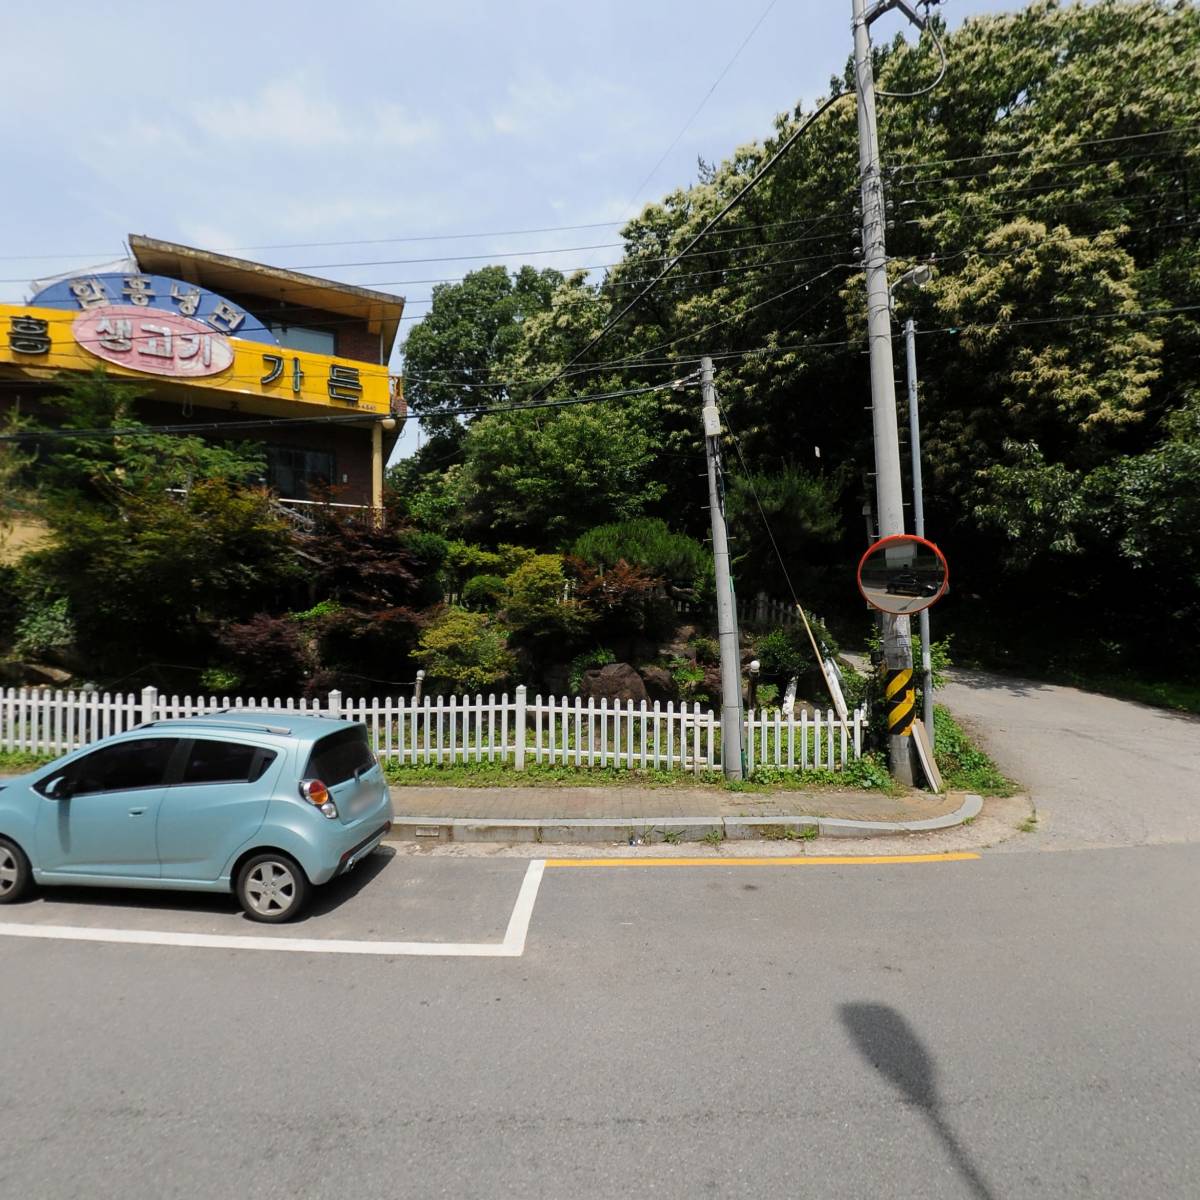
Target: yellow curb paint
{"type": "Point", "coordinates": [813, 860]}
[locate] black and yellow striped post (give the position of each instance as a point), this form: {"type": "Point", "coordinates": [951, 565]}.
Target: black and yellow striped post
{"type": "Point", "coordinates": [900, 698]}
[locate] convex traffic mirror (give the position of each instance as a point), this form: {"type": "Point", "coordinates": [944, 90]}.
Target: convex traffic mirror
{"type": "Point", "coordinates": [902, 574]}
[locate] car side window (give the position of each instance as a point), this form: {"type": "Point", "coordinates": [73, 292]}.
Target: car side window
{"type": "Point", "coordinates": [123, 767]}
{"type": "Point", "coordinates": [225, 762]}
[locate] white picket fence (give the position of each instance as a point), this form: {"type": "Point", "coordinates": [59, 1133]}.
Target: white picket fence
{"type": "Point", "coordinates": [446, 730]}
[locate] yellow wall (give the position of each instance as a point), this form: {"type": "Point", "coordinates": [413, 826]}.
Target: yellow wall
{"type": "Point", "coordinates": [242, 378]}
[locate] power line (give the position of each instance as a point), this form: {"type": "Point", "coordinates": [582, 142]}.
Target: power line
{"type": "Point", "coordinates": [707, 96]}
{"type": "Point", "coordinates": [709, 226]}
{"type": "Point", "coordinates": [1124, 137]}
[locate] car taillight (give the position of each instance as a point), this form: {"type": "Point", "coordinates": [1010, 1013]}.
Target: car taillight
{"type": "Point", "coordinates": [317, 794]}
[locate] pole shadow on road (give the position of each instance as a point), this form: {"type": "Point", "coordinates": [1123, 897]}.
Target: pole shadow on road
{"type": "Point", "coordinates": [885, 1039]}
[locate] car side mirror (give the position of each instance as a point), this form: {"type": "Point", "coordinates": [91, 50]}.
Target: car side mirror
{"type": "Point", "coordinates": [59, 788]}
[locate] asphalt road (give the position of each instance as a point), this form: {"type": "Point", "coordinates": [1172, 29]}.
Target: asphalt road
{"type": "Point", "coordinates": [1102, 772]}
{"type": "Point", "coordinates": [1018, 1025]}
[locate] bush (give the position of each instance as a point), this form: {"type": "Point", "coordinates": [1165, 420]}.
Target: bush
{"type": "Point", "coordinates": [465, 651]}
{"type": "Point", "coordinates": [626, 599]}
{"type": "Point", "coordinates": [269, 653]}
{"type": "Point", "coordinates": [220, 681]}
{"type": "Point", "coordinates": [45, 628]}
{"type": "Point", "coordinates": [708, 650]}
{"type": "Point", "coordinates": [483, 592]}
{"type": "Point", "coordinates": [645, 542]}
{"type": "Point", "coordinates": [537, 600]}
{"type": "Point", "coordinates": [689, 679]}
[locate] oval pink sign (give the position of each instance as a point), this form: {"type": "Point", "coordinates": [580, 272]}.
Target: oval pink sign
{"type": "Point", "coordinates": [151, 340]}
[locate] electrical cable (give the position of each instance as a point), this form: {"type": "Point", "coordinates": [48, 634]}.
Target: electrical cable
{"type": "Point", "coordinates": [707, 96]}
{"type": "Point", "coordinates": [941, 74]}
{"type": "Point", "coordinates": [753, 182]}
{"type": "Point", "coordinates": [761, 511]}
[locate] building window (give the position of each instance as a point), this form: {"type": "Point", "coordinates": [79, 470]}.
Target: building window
{"type": "Point", "coordinates": [302, 337]}
{"type": "Point", "coordinates": [299, 474]}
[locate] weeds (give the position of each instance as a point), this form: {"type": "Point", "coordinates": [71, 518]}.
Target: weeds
{"type": "Point", "coordinates": [713, 838]}
{"type": "Point", "coordinates": [17, 762]}
{"type": "Point", "coordinates": [963, 765]}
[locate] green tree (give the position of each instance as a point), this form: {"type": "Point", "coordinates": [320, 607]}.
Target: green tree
{"type": "Point", "coordinates": [452, 358]}
{"type": "Point", "coordinates": [545, 477]}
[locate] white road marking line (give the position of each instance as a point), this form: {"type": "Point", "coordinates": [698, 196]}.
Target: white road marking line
{"type": "Point", "coordinates": [518, 923]}
{"type": "Point", "coordinates": [513, 945]}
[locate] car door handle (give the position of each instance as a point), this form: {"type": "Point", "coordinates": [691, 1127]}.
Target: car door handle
{"type": "Point", "coordinates": [137, 812]}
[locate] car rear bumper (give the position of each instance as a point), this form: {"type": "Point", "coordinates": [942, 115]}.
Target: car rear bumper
{"type": "Point", "coordinates": [356, 854]}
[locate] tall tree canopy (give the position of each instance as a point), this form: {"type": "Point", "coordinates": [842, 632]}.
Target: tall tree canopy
{"type": "Point", "coordinates": [1051, 177]}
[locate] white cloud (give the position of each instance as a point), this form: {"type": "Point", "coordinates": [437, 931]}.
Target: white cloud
{"type": "Point", "coordinates": [298, 112]}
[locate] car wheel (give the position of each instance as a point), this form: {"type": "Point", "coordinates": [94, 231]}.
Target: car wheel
{"type": "Point", "coordinates": [272, 888]}
{"type": "Point", "coordinates": [16, 877]}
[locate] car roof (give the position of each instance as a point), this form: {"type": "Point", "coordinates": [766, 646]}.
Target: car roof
{"type": "Point", "coordinates": [278, 722]}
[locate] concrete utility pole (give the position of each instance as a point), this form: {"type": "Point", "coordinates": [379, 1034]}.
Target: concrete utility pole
{"type": "Point", "coordinates": [731, 666]}
{"type": "Point", "coordinates": [897, 643]}
{"type": "Point", "coordinates": [914, 432]}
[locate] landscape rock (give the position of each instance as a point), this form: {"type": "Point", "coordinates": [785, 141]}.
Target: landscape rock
{"type": "Point", "coordinates": [659, 684]}
{"type": "Point", "coordinates": [616, 681]}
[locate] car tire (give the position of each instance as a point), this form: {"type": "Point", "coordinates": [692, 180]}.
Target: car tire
{"type": "Point", "coordinates": [16, 875]}
{"type": "Point", "coordinates": [272, 888]}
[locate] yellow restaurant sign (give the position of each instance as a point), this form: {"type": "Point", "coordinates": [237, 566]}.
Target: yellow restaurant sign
{"type": "Point", "coordinates": [143, 343]}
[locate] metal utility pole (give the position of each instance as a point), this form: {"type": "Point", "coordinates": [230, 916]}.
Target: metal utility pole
{"type": "Point", "coordinates": [731, 666]}
{"type": "Point", "coordinates": [914, 431]}
{"type": "Point", "coordinates": [897, 643]}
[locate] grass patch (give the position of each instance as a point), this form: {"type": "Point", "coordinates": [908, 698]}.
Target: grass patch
{"type": "Point", "coordinates": [867, 773]}
{"type": "Point", "coordinates": [16, 762]}
{"type": "Point", "coordinates": [964, 767]}
{"type": "Point", "coordinates": [1029, 825]}
{"type": "Point", "coordinates": [499, 774]}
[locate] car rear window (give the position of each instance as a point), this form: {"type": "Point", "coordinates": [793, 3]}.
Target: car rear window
{"type": "Point", "coordinates": [337, 756]}
{"type": "Point", "coordinates": [225, 762]}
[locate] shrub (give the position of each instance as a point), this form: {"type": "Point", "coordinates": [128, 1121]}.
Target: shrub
{"type": "Point", "coordinates": [707, 650]}
{"type": "Point", "coordinates": [537, 600]}
{"type": "Point", "coordinates": [625, 598]}
{"type": "Point", "coordinates": [645, 542]}
{"type": "Point", "coordinates": [689, 679]}
{"type": "Point", "coordinates": [465, 559]}
{"type": "Point", "coordinates": [219, 680]}
{"type": "Point", "coordinates": [483, 592]}
{"type": "Point", "coordinates": [45, 628]}
{"type": "Point", "coordinates": [318, 612]}
{"type": "Point", "coordinates": [466, 651]}
{"type": "Point", "coordinates": [269, 653]}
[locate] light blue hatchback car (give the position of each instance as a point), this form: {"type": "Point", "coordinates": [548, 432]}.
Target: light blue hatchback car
{"type": "Point", "coordinates": [264, 804]}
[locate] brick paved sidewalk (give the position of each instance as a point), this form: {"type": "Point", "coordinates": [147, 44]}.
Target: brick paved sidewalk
{"type": "Point", "coordinates": [482, 803]}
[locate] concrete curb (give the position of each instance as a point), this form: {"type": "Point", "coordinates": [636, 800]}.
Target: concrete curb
{"type": "Point", "coordinates": [609, 830]}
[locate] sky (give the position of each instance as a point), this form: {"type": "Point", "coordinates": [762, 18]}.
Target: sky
{"type": "Point", "coordinates": [425, 140]}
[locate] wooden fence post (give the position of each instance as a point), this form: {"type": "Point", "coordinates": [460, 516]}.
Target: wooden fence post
{"type": "Point", "coordinates": [149, 705]}
{"type": "Point", "coordinates": [335, 703]}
